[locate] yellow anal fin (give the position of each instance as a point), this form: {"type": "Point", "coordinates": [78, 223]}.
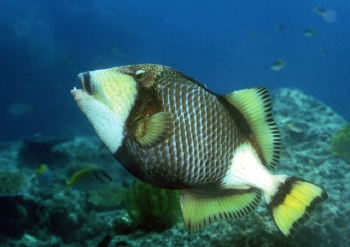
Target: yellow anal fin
{"type": "Point", "coordinates": [200, 210]}
{"type": "Point", "coordinates": [153, 130]}
{"type": "Point", "coordinates": [293, 202]}
{"type": "Point", "coordinates": [255, 105]}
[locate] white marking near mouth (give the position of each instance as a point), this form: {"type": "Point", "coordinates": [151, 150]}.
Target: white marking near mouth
{"type": "Point", "coordinates": [74, 89]}
{"type": "Point", "coordinates": [108, 126]}
{"type": "Point", "coordinates": [78, 94]}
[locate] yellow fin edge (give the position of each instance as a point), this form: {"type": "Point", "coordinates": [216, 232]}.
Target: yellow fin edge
{"type": "Point", "coordinates": [199, 211]}
{"type": "Point", "coordinates": [298, 199]}
{"type": "Point", "coordinates": [255, 105]}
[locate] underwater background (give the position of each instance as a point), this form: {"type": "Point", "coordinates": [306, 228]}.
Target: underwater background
{"type": "Point", "coordinates": [300, 50]}
{"type": "Point", "coordinates": [227, 45]}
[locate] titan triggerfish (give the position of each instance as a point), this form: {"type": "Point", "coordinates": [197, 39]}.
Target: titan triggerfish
{"type": "Point", "coordinates": [171, 131]}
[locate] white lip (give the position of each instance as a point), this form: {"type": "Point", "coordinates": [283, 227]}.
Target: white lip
{"type": "Point", "coordinates": [108, 126]}
{"type": "Point", "coordinates": [79, 94]}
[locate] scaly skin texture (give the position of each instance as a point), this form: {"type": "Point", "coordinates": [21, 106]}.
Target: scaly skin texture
{"type": "Point", "coordinates": [197, 152]}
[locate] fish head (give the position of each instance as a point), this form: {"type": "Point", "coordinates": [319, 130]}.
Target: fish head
{"type": "Point", "coordinates": [108, 96]}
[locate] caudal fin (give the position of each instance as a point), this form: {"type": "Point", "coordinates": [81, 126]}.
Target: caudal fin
{"type": "Point", "coordinates": [291, 205]}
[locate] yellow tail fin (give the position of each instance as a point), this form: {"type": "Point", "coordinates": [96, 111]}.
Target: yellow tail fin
{"type": "Point", "coordinates": [293, 202]}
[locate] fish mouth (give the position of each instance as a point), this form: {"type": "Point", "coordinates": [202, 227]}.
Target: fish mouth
{"type": "Point", "coordinates": [85, 82]}
{"type": "Point", "coordinates": [86, 86]}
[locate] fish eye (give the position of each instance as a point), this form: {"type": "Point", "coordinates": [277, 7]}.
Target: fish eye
{"type": "Point", "coordinates": [141, 75]}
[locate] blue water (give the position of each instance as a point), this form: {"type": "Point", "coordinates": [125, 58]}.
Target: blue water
{"type": "Point", "coordinates": [227, 45]}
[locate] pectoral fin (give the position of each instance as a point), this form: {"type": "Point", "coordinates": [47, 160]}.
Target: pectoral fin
{"type": "Point", "coordinates": [153, 130]}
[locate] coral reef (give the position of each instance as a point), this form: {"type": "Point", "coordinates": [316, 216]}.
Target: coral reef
{"type": "Point", "coordinates": [106, 198]}
{"type": "Point", "coordinates": [12, 182]}
{"type": "Point", "coordinates": [39, 149]}
{"type": "Point", "coordinates": [13, 216]}
{"type": "Point", "coordinates": [45, 216]}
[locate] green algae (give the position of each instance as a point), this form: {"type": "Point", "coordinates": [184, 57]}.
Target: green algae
{"type": "Point", "coordinates": [151, 208]}
{"type": "Point", "coordinates": [340, 144]}
{"type": "Point", "coordinates": [12, 183]}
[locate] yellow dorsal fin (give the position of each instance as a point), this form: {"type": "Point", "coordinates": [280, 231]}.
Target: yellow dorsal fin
{"type": "Point", "coordinates": [153, 130]}
{"type": "Point", "coordinates": [255, 105]}
{"type": "Point", "coordinates": [200, 210]}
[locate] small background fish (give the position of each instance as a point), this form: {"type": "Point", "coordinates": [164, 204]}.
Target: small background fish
{"type": "Point", "coordinates": [89, 179]}
{"type": "Point", "coordinates": [19, 109]}
{"type": "Point", "coordinates": [278, 65]}
{"type": "Point", "coordinates": [309, 32]}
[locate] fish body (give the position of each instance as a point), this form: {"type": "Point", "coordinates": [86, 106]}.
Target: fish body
{"type": "Point", "coordinates": [41, 169]}
{"type": "Point", "coordinates": [89, 179]}
{"type": "Point", "coordinates": [42, 176]}
{"type": "Point", "coordinates": [280, 26]}
{"type": "Point", "coordinates": [323, 51]}
{"type": "Point", "coordinates": [309, 32]}
{"type": "Point", "coordinates": [320, 11]}
{"type": "Point", "coordinates": [170, 131]}
{"type": "Point", "coordinates": [297, 127]}
{"type": "Point", "coordinates": [19, 109]}
{"type": "Point", "coordinates": [278, 65]}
